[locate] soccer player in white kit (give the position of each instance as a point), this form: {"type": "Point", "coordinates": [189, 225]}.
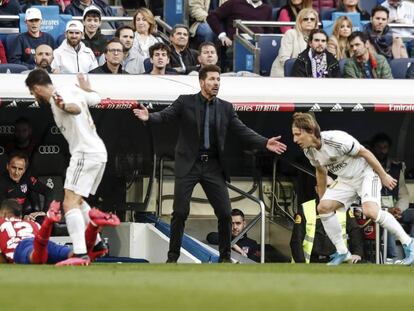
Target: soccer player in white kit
{"type": "Point", "coordinates": [359, 174]}
{"type": "Point", "coordinates": [88, 153]}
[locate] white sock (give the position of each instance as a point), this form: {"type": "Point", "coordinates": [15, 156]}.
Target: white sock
{"type": "Point", "coordinates": [333, 230]}
{"type": "Point", "coordinates": [76, 228]}
{"type": "Point", "coordinates": [388, 222]}
{"type": "Point", "coordinates": [85, 208]}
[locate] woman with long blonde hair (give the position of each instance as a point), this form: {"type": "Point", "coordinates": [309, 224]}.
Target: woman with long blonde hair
{"type": "Point", "coordinates": [295, 40]}
{"type": "Point", "coordinates": [338, 43]}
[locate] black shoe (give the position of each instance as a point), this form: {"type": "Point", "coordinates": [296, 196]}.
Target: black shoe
{"type": "Point", "coordinates": [225, 260]}
{"type": "Point", "coordinates": [170, 260]}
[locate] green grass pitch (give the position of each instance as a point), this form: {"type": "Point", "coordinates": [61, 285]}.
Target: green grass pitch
{"type": "Point", "coordinates": [206, 287]}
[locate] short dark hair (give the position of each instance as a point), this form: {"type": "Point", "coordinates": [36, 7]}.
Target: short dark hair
{"type": "Point", "coordinates": [202, 74]}
{"type": "Point", "coordinates": [379, 8]}
{"type": "Point", "coordinates": [237, 212]}
{"type": "Point", "coordinates": [118, 31]}
{"type": "Point", "coordinates": [22, 120]}
{"type": "Point", "coordinates": [159, 46]}
{"type": "Point", "coordinates": [358, 34]}
{"type": "Point", "coordinates": [206, 43]}
{"type": "Point", "coordinates": [11, 206]}
{"type": "Point", "coordinates": [176, 26]}
{"type": "Point", "coordinates": [113, 40]}
{"type": "Point", "coordinates": [38, 77]}
{"type": "Point", "coordinates": [381, 138]}
{"type": "Point", "coordinates": [92, 13]}
{"type": "Point", "coordinates": [315, 31]}
{"type": "Point", "coordinates": [19, 155]}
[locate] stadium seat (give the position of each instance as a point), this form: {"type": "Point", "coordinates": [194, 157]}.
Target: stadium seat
{"type": "Point", "coordinates": [60, 39]}
{"type": "Point", "coordinates": [269, 48]}
{"type": "Point", "coordinates": [368, 5]}
{"type": "Point", "coordinates": [400, 66]}
{"type": "Point", "coordinates": [12, 68]}
{"type": "Point", "coordinates": [342, 66]}
{"type": "Point", "coordinates": [147, 65]}
{"type": "Point", "coordinates": [289, 67]}
{"type": "Point", "coordinates": [9, 40]}
{"type": "Point", "coordinates": [326, 13]}
{"type": "Point", "coordinates": [275, 10]}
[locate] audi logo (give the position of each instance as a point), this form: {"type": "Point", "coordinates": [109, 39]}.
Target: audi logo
{"type": "Point", "coordinates": [7, 129]}
{"type": "Point", "coordinates": [49, 149]}
{"type": "Point", "coordinates": [1, 150]}
{"type": "Point", "coordinates": [55, 130]}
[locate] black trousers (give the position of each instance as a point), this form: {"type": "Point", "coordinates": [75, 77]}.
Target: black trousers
{"type": "Point", "coordinates": [211, 178]}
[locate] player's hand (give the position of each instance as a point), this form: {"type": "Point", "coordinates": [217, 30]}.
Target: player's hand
{"type": "Point", "coordinates": [274, 145]}
{"type": "Point", "coordinates": [141, 113]}
{"type": "Point", "coordinates": [355, 258]}
{"type": "Point", "coordinates": [58, 101]}
{"type": "Point", "coordinates": [388, 181]}
{"type": "Point", "coordinates": [32, 216]}
{"type": "Point", "coordinates": [225, 41]}
{"type": "Point", "coordinates": [83, 81]}
{"type": "Point", "coordinates": [239, 250]}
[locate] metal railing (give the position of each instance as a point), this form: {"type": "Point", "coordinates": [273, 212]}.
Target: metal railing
{"type": "Point", "coordinates": [261, 216]}
{"type": "Point", "coordinates": [161, 23]}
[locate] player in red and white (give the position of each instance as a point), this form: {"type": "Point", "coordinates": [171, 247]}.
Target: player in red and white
{"type": "Point", "coordinates": [26, 242]}
{"type": "Point", "coordinates": [359, 174]}
{"type": "Point", "coordinates": [88, 153]}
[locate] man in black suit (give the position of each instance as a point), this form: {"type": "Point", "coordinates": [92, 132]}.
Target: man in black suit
{"type": "Point", "coordinates": [203, 122]}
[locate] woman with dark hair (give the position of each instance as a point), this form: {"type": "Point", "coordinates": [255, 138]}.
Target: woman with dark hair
{"type": "Point", "coordinates": [352, 6]}
{"type": "Point", "coordinates": [290, 11]}
{"type": "Point", "coordinates": [145, 29]}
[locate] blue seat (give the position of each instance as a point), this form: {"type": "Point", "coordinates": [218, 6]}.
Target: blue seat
{"type": "Point", "coordinates": [147, 65]}
{"type": "Point", "coordinates": [275, 11]}
{"type": "Point", "coordinates": [326, 13]}
{"type": "Point", "coordinates": [12, 68]}
{"type": "Point", "coordinates": [288, 67]}
{"type": "Point", "coordinates": [9, 40]}
{"type": "Point", "coordinates": [400, 66]}
{"type": "Point", "coordinates": [342, 66]}
{"type": "Point", "coordinates": [368, 5]}
{"type": "Point", "coordinates": [269, 48]}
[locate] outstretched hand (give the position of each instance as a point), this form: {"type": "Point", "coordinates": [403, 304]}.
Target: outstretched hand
{"type": "Point", "coordinates": [84, 83]}
{"type": "Point", "coordinates": [388, 181]}
{"type": "Point", "coordinates": [274, 145]}
{"type": "Point", "coordinates": [141, 113]}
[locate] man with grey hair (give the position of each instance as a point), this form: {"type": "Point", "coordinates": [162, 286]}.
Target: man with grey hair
{"type": "Point", "coordinates": [183, 59]}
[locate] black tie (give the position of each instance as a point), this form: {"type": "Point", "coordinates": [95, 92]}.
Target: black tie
{"type": "Point", "coordinates": [207, 127]}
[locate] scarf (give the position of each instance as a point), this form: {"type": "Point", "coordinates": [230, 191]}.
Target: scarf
{"type": "Point", "coordinates": [319, 64]}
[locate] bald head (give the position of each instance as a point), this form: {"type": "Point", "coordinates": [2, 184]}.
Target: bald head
{"type": "Point", "coordinates": [43, 56]}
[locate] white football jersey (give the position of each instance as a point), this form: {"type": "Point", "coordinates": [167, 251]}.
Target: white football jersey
{"type": "Point", "coordinates": [79, 130]}
{"type": "Point", "coordinates": [338, 154]}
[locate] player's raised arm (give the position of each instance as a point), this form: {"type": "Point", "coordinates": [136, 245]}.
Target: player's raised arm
{"type": "Point", "coordinates": [386, 179]}
{"type": "Point", "coordinates": [66, 107]}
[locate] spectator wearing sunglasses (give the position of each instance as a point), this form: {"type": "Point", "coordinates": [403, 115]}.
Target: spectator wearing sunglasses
{"type": "Point", "coordinates": [295, 40]}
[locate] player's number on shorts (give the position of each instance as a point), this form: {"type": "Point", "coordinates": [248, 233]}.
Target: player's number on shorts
{"type": "Point", "coordinates": [17, 232]}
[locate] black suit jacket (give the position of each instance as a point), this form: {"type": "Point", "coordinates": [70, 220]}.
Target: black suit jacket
{"type": "Point", "coordinates": [185, 110]}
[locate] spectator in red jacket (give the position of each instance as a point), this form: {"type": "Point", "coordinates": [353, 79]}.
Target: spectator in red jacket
{"type": "Point", "coordinates": [289, 12]}
{"type": "Point", "coordinates": [3, 59]}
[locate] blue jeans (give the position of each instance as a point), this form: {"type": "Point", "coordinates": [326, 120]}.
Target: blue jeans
{"type": "Point", "coordinates": [407, 217]}
{"type": "Point", "coordinates": [204, 33]}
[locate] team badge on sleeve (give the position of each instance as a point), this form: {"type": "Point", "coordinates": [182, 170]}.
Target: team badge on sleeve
{"type": "Point", "coordinates": [298, 219]}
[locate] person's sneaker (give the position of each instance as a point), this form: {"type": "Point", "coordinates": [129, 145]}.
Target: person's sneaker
{"type": "Point", "coordinates": [54, 213]}
{"type": "Point", "coordinates": [101, 219]}
{"type": "Point", "coordinates": [75, 261]}
{"type": "Point", "coordinates": [99, 250]}
{"type": "Point", "coordinates": [337, 259]}
{"type": "Point", "coordinates": [392, 261]}
{"type": "Point", "coordinates": [409, 254]}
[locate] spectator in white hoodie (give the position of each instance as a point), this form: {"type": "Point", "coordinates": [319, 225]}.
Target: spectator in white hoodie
{"type": "Point", "coordinates": [72, 56]}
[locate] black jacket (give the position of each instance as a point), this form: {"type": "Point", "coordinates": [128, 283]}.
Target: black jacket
{"type": "Point", "coordinates": [185, 111]}
{"type": "Point", "coordinates": [22, 191]}
{"type": "Point", "coordinates": [189, 57]}
{"type": "Point", "coordinates": [105, 70]}
{"type": "Point", "coordinates": [303, 68]}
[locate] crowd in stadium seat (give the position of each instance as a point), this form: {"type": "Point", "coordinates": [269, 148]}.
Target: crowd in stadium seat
{"type": "Point", "coordinates": [209, 21]}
